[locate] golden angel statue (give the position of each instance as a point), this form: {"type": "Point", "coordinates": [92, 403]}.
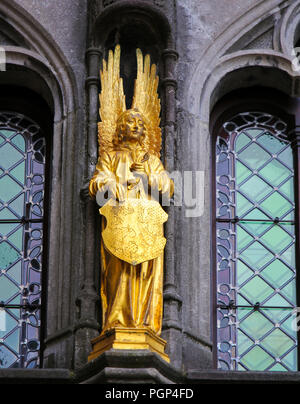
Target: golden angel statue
{"type": "Point", "coordinates": [129, 169]}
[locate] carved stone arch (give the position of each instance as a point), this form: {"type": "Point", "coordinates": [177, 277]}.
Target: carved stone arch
{"type": "Point", "coordinates": [234, 38]}
{"type": "Point", "coordinates": [27, 69]}
{"type": "Point", "coordinates": [38, 40]}
{"type": "Point", "coordinates": [289, 35]}
{"type": "Point", "coordinates": [247, 69]}
{"type": "Point", "coordinates": [126, 12]}
{"type": "Point", "coordinates": [10, 36]}
{"type": "Point", "coordinates": [133, 24]}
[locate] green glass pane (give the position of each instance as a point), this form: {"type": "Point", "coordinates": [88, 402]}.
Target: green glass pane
{"type": "Point", "coordinates": [290, 291]}
{"type": "Point", "coordinates": [256, 214]}
{"type": "Point", "coordinates": [277, 273]}
{"type": "Point", "coordinates": [276, 205]}
{"type": "Point", "coordinates": [13, 340]}
{"type": "Point", "coordinates": [271, 143]}
{"type": "Point", "coordinates": [9, 156]}
{"type": "Point", "coordinates": [276, 239]}
{"type": "Point", "coordinates": [242, 172]}
{"type": "Point", "coordinates": [18, 205]}
{"type": "Point", "coordinates": [6, 228]}
{"type": "Point", "coordinates": [277, 315]}
{"type": "Point", "coordinates": [253, 133]}
{"type": "Point", "coordinates": [243, 272]}
{"type": "Point", "coordinates": [19, 172]}
{"type": "Point", "coordinates": [256, 290]}
{"type": "Point", "coordinates": [256, 325]}
{"type": "Point", "coordinates": [19, 141]}
{"type": "Point", "coordinates": [7, 133]}
{"type": "Point", "coordinates": [242, 205]}
{"type": "Point", "coordinates": [243, 342]}
{"type": "Point", "coordinates": [8, 324]}
{"type": "Point", "coordinates": [7, 358]}
{"type": "Point", "coordinates": [256, 228]}
{"type": "Point", "coordinates": [241, 141]}
{"type": "Point", "coordinates": [17, 238]}
{"type": "Point", "coordinates": [277, 343]}
{"type": "Point", "coordinates": [15, 272]}
{"type": "Point", "coordinates": [243, 238]}
{"type": "Point", "coordinates": [275, 173]}
{"type": "Point", "coordinates": [278, 368]}
{"type": "Point", "coordinates": [290, 360]}
{"type": "Point", "coordinates": [289, 325]}
{"type": "Point", "coordinates": [257, 359]}
{"type": "Point", "coordinates": [255, 188]}
{"type": "Point", "coordinates": [254, 156]}
{"type": "Point", "coordinates": [7, 288]}
{"type": "Point", "coordinates": [288, 189]}
{"type": "Point", "coordinates": [289, 256]}
{"type": "Point", "coordinates": [289, 216]}
{"type": "Point", "coordinates": [278, 301]}
{"type": "Point", "coordinates": [16, 300]}
{"type": "Point", "coordinates": [256, 256]}
{"type": "Point", "coordinates": [8, 188]}
{"type": "Point", "coordinates": [287, 157]}
{"type": "Point", "coordinates": [243, 311]}
{"type": "Point", "coordinates": [2, 140]}
{"type": "Point", "coordinates": [8, 255]}
{"type": "Point", "coordinates": [6, 214]}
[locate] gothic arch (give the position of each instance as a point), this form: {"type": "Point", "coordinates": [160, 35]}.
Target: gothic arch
{"type": "Point", "coordinates": [37, 63]}
{"type": "Point", "coordinates": [233, 34]}
{"type": "Point", "coordinates": [237, 70]}
{"type": "Point", "coordinates": [247, 68]}
{"type": "Point", "coordinates": [290, 29]}
{"type": "Point", "coordinates": [41, 43]}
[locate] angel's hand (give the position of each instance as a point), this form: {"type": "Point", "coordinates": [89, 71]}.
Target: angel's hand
{"type": "Point", "coordinates": [138, 167]}
{"type": "Point", "coordinates": [118, 191]}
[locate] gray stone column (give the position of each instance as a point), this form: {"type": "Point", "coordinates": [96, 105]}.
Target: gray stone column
{"type": "Point", "coordinates": [88, 299]}
{"type": "Point", "coordinates": [172, 329]}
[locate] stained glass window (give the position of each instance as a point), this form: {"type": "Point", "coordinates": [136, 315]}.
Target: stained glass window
{"type": "Point", "coordinates": [22, 172]}
{"type": "Point", "coordinates": [256, 270]}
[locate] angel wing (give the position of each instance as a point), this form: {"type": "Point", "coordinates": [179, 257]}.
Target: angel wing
{"type": "Point", "coordinates": [112, 99]}
{"type": "Point", "coordinates": [146, 100]}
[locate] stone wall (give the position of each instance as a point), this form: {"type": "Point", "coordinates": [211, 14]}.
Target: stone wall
{"type": "Point", "coordinates": [217, 42]}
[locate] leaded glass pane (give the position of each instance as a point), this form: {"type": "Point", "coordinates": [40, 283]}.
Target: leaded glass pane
{"type": "Point", "coordinates": [256, 246]}
{"type": "Point", "coordinates": [22, 172]}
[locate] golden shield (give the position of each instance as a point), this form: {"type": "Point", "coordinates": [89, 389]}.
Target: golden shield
{"type": "Point", "coordinates": [134, 230]}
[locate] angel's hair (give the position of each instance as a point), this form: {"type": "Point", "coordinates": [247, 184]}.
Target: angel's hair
{"type": "Point", "coordinates": [119, 134]}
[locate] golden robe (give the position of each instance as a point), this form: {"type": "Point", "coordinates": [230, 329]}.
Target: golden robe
{"type": "Point", "coordinates": [132, 295]}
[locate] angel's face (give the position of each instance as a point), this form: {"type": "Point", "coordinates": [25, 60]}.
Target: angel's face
{"type": "Point", "coordinates": [133, 126]}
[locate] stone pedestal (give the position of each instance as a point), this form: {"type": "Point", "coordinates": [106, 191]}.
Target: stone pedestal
{"type": "Point", "coordinates": [128, 339]}
{"type": "Point", "coordinates": [134, 366]}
